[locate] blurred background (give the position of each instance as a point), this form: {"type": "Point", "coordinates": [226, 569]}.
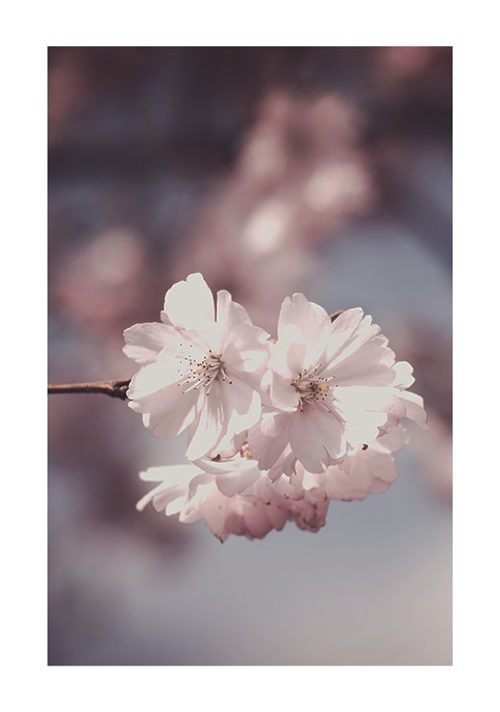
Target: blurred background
{"type": "Point", "coordinates": [270, 170]}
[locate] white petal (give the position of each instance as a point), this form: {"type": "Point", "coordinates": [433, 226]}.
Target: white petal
{"type": "Point", "coordinates": [173, 474]}
{"type": "Point", "coordinates": [403, 374]}
{"type": "Point", "coordinates": [284, 465]}
{"type": "Point", "coordinates": [289, 353]}
{"type": "Point", "coordinates": [393, 438]}
{"type": "Point", "coordinates": [230, 313]}
{"type": "Point", "coordinates": [201, 479]}
{"type": "Point", "coordinates": [283, 395]}
{"type": "Point", "coordinates": [306, 443]}
{"type": "Point", "coordinates": [208, 427]}
{"type": "Point", "coordinates": [153, 377]}
{"type": "Point", "coordinates": [173, 479]}
{"type": "Point", "coordinates": [366, 365]}
{"type": "Point", "coordinates": [192, 511]}
{"type": "Point", "coordinates": [167, 411]}
{"type": "Point", "coordinates": [414, 405]}
{"type": "Point", "coordinates": [214, 511]}
{"type": "Point", "coordinates": [329, 428]}
{"type": "Point", "coordinates": [221, 467]}
{"type": "Point", "coordinates": [365, 431]}
{"type": "Point", "coordinates": [189, 304]}
{"type": "Point", "coordinates": [341, 330]}
{"type": "Point", "coordinates": [238, 480]}
{"type": "Point", "coordinates": [143, 342]}
{"type": "Point", "coordinates": [357, 399]}
{"type": "Point", "coordinates": [245, 354]}
{"type": "Point", "coordinates": [231, 476]}
{"type": "Point", "coordinates": [154, 392]}
{"type": "Point", "coordinates": [307, 316]}
{"type": "Point", "coordinates": [269, 438]}
{"type": "Point", "coordinates": [366, 472]}
{"type": "Point", "coordinates": [228, 446]}
{"type": "Point", "coordinates": [242, 407]}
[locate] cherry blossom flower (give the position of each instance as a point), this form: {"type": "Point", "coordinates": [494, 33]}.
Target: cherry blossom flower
{"type": "Point", "coordinates": [232, 497]}
{"type": "Point", "coordinates": [306, 499]}
{"type": "Point", "coordinates": [331, 387]}
{"type": "Point", "coordinates": [369, 470]}
{"type": "Point", "coordinates": [275, 430]}
{"type": "Point", "coordinates": [235, 497]}
{"type": "Point", "coordinates": [201, 370]}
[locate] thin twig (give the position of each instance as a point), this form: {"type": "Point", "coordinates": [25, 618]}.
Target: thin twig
{"type": "Point", "coordinates": [116, 388]}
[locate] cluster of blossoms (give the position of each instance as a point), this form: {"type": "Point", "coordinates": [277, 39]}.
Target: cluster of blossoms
{"type": "Point", "coordinates": [275, 428]}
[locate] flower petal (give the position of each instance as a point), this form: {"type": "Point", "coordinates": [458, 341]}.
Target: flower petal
{"type": "Point", "coordinates": [283, 395]}
{"type": "Point", "coordinates": [207, 429]}
{"type": "Point", "coordinates": [173, 479]}
{"type": "Point", "coordinates": [307, 444]}
{"type": "Point", "coordinates": [143, 342]}
{"type": "Point", "coordinates": [329, 428]}
{"type": "Point", "coordinates": [366, 365]}
{"type": "Point", "coordinates": [414, 407]}
{"type": "Point", "coordinates": [269, 438]}
{"type": "Point", "coordinates": [238, 480]}
{"type": "Point", "coordinates": [403, 374]}
{"type": "Point", "coordinates": [155, 393]}
{"type": "Point", "coordinates": [230, 313]}
{"type": "Point", "coordinates": [366, 472]}
{"type": "Point", "coordinates": [308, 317]}
{"type": "Point", "coordinates": [189, 304]}
{"type": "Point", "coordinates": [241, 405]}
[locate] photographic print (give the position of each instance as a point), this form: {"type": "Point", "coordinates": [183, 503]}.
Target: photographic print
{"type": "Point", "coordinates": [250, 371]}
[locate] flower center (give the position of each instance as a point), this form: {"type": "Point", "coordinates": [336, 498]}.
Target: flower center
{"type": "Point", "coordinates": [245, 450]}
{"type": "Point", "coordinates": [310, 386]}
{"type": "Point", "coordinates": [204, 372]}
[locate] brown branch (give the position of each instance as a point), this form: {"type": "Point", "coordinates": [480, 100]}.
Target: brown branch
{"type": "Point", "coordinates": [116, 388]}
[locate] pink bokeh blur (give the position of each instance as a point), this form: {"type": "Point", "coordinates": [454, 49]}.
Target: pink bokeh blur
{"type": "Point", "coordinates": [270, 170]}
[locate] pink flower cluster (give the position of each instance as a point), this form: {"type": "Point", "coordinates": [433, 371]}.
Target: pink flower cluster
{"type": "Point", "coordinates": [275, 428]}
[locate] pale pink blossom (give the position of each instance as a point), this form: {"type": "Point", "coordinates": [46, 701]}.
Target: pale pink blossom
{"type": "Point", "coordinates": [331, 386]}
{"type": "Point", "coordinates": [233, 497]}
{"type": "Point", "coordinates": [275, 430]}
{"type": "Point", "coordinates": [201, 369]}
{"type": "Point", "coordinates": [309, 512]}
{"type": "Point", "coordinates": [369, 470]}
{"type": "Point", "coordinates": [306, 499]}
{"type": "Point", "coordinates": [230, 497]}
{"type": "Point", "coordinates": [393, 435]}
